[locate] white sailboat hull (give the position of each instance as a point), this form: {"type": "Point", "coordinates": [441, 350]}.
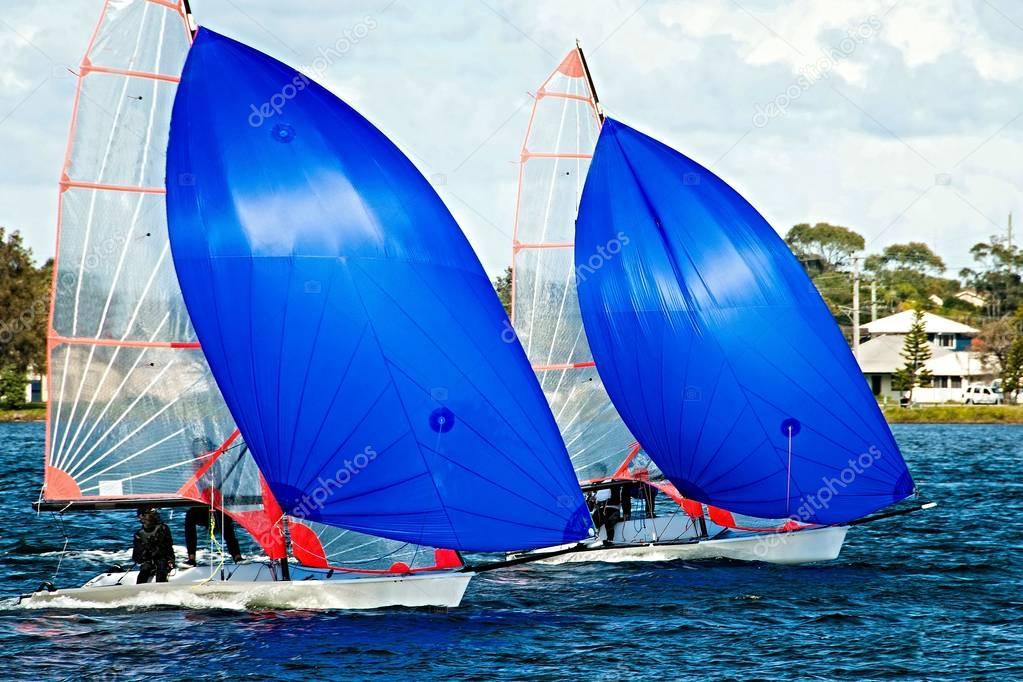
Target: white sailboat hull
{"type": "Point", "coordinates": [798, 547]}
{"type": "Point", "coordinates": [251, 586]}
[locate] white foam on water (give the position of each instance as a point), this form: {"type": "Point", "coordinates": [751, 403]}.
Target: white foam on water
{"type": "Point", "coordinates": [183, 598]}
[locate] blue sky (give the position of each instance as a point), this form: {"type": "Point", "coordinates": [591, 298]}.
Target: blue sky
{"type": "Point", "coordinates": [899, 119]}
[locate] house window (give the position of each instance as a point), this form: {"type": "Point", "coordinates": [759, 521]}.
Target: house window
{"type": "Point", "coordinates": [957, 382]}
{"type": "Point", "coordinates": [940, 382]}
{"type": "Point", "coordinates": [947, 340]}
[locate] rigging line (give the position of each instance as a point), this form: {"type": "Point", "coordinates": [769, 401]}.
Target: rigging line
{"type": "Point", "coordinates": [63, 551]}
{"type": "Point", "coordinates": [67, 459]}
{"type": "Point", "coordinates": [546, 221]}
{"type": "Point", "coordinates": [133, 456]}
{"type": "Point", "coordinates": [788, 477]}
{"type": "Point", "coordinates": [142, 394]}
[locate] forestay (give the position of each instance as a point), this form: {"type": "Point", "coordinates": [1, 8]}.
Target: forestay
{"type": "Point", "coordinates": [717, 349]}
{"type": "Point", "coordinates": [356, 338]}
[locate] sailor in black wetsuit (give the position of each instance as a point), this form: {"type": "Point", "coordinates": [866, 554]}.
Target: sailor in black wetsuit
{"type": "Point", "coordinates": [153, 547]}
{"type": "Point", "coordinates": [200, 516]}
{"type": "Point", "coordinates": [612, 506]}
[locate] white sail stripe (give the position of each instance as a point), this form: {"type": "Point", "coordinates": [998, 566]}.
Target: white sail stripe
{"type": "Point", "coordinates": [342, 552]}
{"type": "Point", "coordinates": [156, 379]}
{"type": "Point", "coordinates": [60, 400]}
{"type": "Point", "coordinates": [138, 205]}
{"type": "Point", "coordinates": [568, 401]}
{"type": "Point", "coordinates": [543, 231]}
{"type": "Point", "coordinates": [149, 473]}
{"type": "Point", "coordinates": [124, 252]}
{"type": "Point", "coordinates": [71, 460]}
{"type": "Point", "coordinates": [133, 456]}
{"type": "Point", "coordinates": [78, 397]}
{"type": "Point", "coordinates": [100, 177]}
{"type": "Point", "coordinates": [124, 336]}
{"type": "Point", "coordinates": [88, 225]}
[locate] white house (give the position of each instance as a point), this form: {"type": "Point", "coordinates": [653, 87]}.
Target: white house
{"type": "Point", "coordinates": [953, 363]}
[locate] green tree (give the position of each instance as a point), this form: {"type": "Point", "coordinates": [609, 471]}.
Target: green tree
{"type": "Point", "coordinates": [24, 306]}
{"type": "Point", "coordinates": [916, 351]}
{"type": "Point", "coordinates": [998, 336]}
{"type": "Point", "coordinates": [909, 272]}
{"type": "Point", "coordinates": [503, 286]}
{"type": "Point", "coordinates": [12, 388]}
{"type": "Point", "coordinates": [997, 275]}
{"type": "Point", "coordinates": [834, 244]}
{"type": "Point", "coordinates": [1012, 371]}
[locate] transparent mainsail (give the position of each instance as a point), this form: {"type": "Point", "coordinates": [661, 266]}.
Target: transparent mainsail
{"type": "Point", "coordinates": [556, 154]}
{"type": "Point", "coordinates": [134, 412]}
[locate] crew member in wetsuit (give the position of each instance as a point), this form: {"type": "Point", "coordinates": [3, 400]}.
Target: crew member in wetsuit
{"type": "Point", "coordinates": [200, 516]}
{"type": "Point", "coordinates": [611, 506]}
{"type": "Point", "coordinates": [153, 547]}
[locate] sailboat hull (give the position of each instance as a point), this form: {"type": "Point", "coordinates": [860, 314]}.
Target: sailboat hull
{"type": "Point", "coordinates": [251, 586]}
{"type": "Point", "coordinates": [799, 547]}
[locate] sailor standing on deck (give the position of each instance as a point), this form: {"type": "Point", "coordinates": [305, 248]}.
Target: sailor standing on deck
{"type": "Point", "coordinates": [153, 547]}
{"type": "Point", "coordinates": [612, 505]}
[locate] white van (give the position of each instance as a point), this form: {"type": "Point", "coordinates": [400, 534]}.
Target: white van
{"type": "Point", "coordinates": [982, 395]}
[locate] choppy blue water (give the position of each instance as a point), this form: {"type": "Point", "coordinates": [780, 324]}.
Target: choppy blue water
{"type": "Point", "coordinates": [937, 594]}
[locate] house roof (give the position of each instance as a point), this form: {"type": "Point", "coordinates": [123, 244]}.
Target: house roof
{"type": "Point", "coordinates": [899, 323]}
{"type": "Point", "coordinates": [881, 355]}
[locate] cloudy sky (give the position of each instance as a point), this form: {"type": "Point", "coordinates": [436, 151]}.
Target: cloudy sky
{"type": "Point", "coordinates": [900, 119]}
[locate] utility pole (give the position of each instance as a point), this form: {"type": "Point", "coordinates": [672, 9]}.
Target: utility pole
{"type": "Point", "coordinates": [856, 308]}
{"type": "Point", "coordinates": [873, 300]}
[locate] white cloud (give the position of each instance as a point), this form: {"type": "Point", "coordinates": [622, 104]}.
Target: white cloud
{"type": "Point", "coordinates": [448, 83]}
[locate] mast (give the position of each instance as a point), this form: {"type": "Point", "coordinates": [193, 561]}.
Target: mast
{"type": "Point", "coordinates": [589, 82]}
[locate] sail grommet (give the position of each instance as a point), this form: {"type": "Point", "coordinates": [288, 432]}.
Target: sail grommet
{"type": "Point", "coordinates": [282, 132]}
{"type": "Point", "coordinates": [790, 427]}
{"type": "Point", "coordinates": [442, 420]}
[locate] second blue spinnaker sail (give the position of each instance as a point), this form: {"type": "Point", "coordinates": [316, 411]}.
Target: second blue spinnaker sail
{"type": "Point", "coordinates": [718, 352]}
{"type": "Point", "coordinates": [356, 338]}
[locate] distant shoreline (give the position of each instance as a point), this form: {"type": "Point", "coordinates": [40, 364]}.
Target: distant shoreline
{"type": "Point", "coordinates": [920, 414]}
{"type": "Point", "coordinates": [27, 414]}
{"type": "Point", "coordinates": [955, 414]}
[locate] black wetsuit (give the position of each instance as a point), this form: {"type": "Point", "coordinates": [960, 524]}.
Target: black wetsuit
{"type": "Point", "coordinates": [200, 516]}
{"type": "Point", "coordinates": [153, 551]}
{"type": "Point", "coordinates": [609, 512]}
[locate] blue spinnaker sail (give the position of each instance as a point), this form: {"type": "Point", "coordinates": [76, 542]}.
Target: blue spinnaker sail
{"type": "Point", "coordinates": [357, 340]}
{"type": "Point", "coordinates": [716, 348]}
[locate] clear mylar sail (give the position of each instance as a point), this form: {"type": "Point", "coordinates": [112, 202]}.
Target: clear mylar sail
{"type": "Point", "coordinates": [717, 349]}
{"type": "Point", "coordinates": [556, 152]}
{"type": "Point", "coordinates": [350, 326]}
{"type": "Point", "coordinates": [134, 413]}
